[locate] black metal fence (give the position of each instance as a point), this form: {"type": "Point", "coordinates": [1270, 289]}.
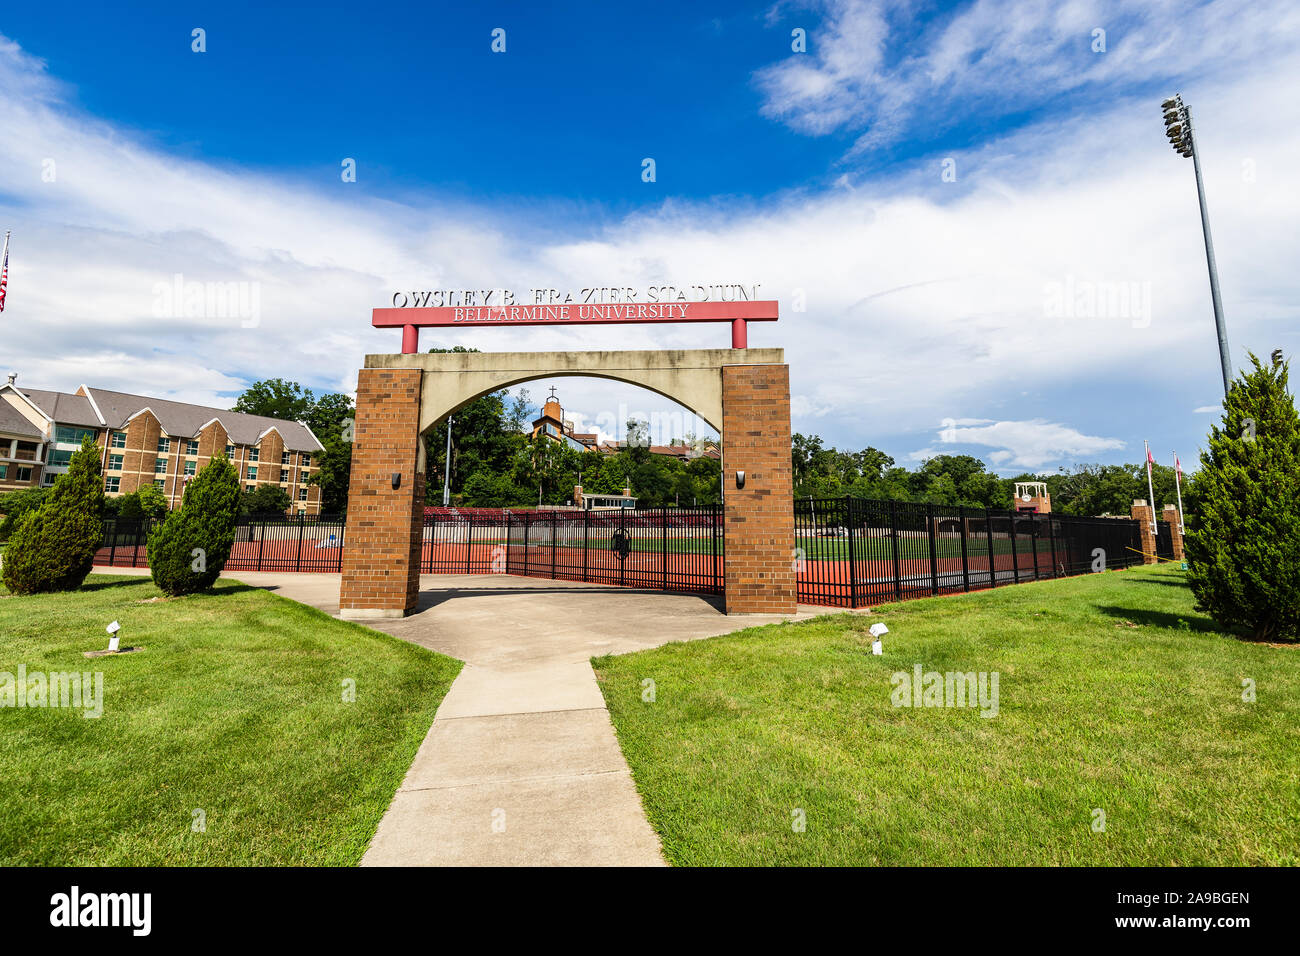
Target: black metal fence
{"type": "Point", "coordinates": [855, 552]}
{"type": "Point", "coordinates": [849, 552]}
{"type": "Point", "coordinates": [276, 543]}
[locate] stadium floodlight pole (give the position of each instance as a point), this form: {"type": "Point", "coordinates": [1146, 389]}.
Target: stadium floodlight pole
{"type": "Point", "coordinates": [446, 474]}
{"type": "Point", "coordinates": [1178, 127]}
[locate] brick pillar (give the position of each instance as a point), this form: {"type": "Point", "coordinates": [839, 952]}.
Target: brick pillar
{"type": "Point", "coordinates": [1170, 516]}
{"type": "Point", "coordinates": [381, 554]}
{"type": "Point", "coordinates": [759, 518]}
{"type": "Point", "coordinates": [1146, 531]}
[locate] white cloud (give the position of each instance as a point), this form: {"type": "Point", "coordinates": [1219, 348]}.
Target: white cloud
{"type": "Point", "coordinates": [1021, 444]}
{"type": "Point", "coordinates": [874, 65]}
{"type": "Point", "coordinates": [925, 300]}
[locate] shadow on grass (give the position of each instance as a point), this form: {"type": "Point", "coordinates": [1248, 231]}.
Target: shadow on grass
{"type": "Point", "coordinates": [1197, 623]}
{"type": "Point", "coordinates": [117, 582]}
{"type": "Point", "coordinates": [1166, 582]}
{"type": "Point", "coordinates": [134, 580]}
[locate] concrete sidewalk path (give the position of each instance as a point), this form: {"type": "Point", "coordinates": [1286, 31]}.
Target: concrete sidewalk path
{"type": "Point", "coordinates": [522, 765]}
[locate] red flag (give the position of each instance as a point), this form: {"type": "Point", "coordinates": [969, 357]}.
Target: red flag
{"type": "Point", "coordinates": [4, 274]}
{"type": "Point", "coordinates": [1150, 460]}
{"type": "Point", "coordinates": [1178, 467]}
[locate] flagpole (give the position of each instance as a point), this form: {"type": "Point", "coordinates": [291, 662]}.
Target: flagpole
{"type": "Point", "coordinates": [1150, 491]}
{"type": "Point", "coordinates": [1178, 484]}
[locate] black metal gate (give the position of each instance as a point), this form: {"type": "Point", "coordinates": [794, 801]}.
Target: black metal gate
{"type": "Point", "coordinates": [1164, 540]}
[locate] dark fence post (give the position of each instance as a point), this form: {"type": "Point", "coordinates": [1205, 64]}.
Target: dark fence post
{"type": "Point", "coordinates": [663, 538]}
{"type": "Point", "coordinates": [1015, 551]}
{"type": "Point", "coordinates": [934, 557]}
{"type": "Point", "coordinates": [135, 553]}
{"type": "Point", "coordinates": [469, 545]}
{"type": "Point", "coordinates": [1033, 540]}
{"type": "Point", "coordinates": [853, 565]}
{"type": "Point", "coordinates": [965, 564]}
{"type": "Point", "coordinates": [586, 539]}
{"type": "Point", "coordinates": [342, 524]}
{"type": "Point", "coordinates": [302, 524]}
{"type": "Point", "coordinates": [554, 517]}
{"type": "Point", "coordinates": [112, 548]}
{"type": "Point", "coordinates": [988, 532]}
{"type": "Point", "coordinates": [715, 512]}
{"type": "Point", "coordinates": [893, 537]}
{"type": "Point", "coordinates": [261, 541]}
{"type": "Point", "coordinates": [1051, 533]}
{"type": "Point", "coordinates": [527, 538]}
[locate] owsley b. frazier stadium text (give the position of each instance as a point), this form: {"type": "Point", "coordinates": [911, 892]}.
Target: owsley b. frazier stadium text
{"type": "Point", "coordinates": [592, 295]}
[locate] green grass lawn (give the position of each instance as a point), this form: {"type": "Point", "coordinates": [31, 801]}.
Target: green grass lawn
{"type": "Point", "coordinates": [234, 707]}
{"type": "Point", "coordinates": [1114, 694]}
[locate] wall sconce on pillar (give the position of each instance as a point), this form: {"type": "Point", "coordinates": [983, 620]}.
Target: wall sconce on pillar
{"type": "Point", "coordinates": [740, 479]}
{"type": "Point", "coordinates": [397, 480]}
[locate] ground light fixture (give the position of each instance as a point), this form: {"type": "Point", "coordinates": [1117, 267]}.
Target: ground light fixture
{"type": "Point", "coordinates": [1178, 127]}
{"type": "Point", "coordinates": [878, 631]}
{"type": "Point", "coordinates": [113, 639]}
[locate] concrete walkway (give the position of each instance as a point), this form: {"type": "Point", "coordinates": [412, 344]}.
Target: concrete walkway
{"type": "Point", "coordinates": [521, 765]}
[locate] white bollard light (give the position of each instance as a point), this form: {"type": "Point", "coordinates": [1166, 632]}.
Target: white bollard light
{"type": "Point", "coordinates": [878, 631]}
{"type": "Point", "coordinates": [112, 636]}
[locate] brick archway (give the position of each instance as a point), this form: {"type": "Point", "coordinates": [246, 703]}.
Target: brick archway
{"type": "Point", "coordinates": [744, 393]}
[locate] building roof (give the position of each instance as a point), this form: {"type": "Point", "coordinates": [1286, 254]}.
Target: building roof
{"type": "Point", "coordinates": [12, 423]}
{"type": "Point", "coordinates": [64, 408]}
{"type": "Point", "coordinates": [178, 419]}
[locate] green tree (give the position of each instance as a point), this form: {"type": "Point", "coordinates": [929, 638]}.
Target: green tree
{"type": "Point", "coordinates": [1243, 541]}
{"type": "Point", "coordinates": [276, 398]}
{"type": "Point", "coordinates": [264, 500]}
{"type": "Point", "coordinates": [190, 547]}
{"type": "Point", "coordinates": [15, 504]}
{"type": "Point", "coordinates": [55, 543]}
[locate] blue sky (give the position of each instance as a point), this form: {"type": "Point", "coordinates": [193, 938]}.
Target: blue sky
{"type": "Point", "coordinates": [929, 326]}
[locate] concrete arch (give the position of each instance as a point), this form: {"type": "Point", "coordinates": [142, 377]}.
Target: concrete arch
{"type": "Point", "coordinates": [692, 378]}
{"type": "Point", "coordinates": [743, 393]}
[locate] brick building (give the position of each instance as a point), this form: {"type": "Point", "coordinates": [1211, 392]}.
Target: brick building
{"type": "Point", "coordinates": [149, 440]}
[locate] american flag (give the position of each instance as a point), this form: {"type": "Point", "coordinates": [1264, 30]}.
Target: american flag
{"type": "Point", "coordinates": [4, 274]}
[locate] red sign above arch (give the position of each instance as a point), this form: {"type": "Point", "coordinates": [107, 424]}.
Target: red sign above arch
{"type": "Point", "coordinates": [411, 320]}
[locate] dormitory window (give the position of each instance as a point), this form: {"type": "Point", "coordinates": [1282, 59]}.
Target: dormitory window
{"type": "Point", "coordinates": [111, 485]}
{"type": "Point", "coordinates": [160, 466]}
{"type": "Point", "coordinates": [118, 440]}
{"type": "Point", "coordinates": [302, 476]}
{"type": "Point", "coordinates": [192, 447]}
{"type": "Point", "coordinates": [252, 474]}
{"type": "Point", "coordinates": [252, 454]}
{"type": "Point", "coordinates": [72, 436]}
{"type": "Point", "coordinates": [159, 484]}
{"type": "Point", "coordinates": [58, 458]}
{"type": "Point", "coordinates": [284, 458]}
{"type": "Point", "coordinates": [230, 451]}
{"type": "Point", "coordinates": [302, 494]}
{"type": "Point", "coordinates": [189, 468]}
{"type": "Point", "coordinates": [164, 444]}
{"type": "Point", "coordinates": [306, 460]}
{"type": "Point", "coordinates": [114, 462]}
{"type": "Point", "coordinates": [284, 474]}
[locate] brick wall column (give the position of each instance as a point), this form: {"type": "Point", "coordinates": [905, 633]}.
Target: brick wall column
{"type": "Point", "coordinates": [1141, 513]}
{"type": "Point", "coordinates": [759, 518]}
{"type": "Point", "coordinates": [381, 554]}
{"type": "Point", "coordinates": [1171, 517]}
